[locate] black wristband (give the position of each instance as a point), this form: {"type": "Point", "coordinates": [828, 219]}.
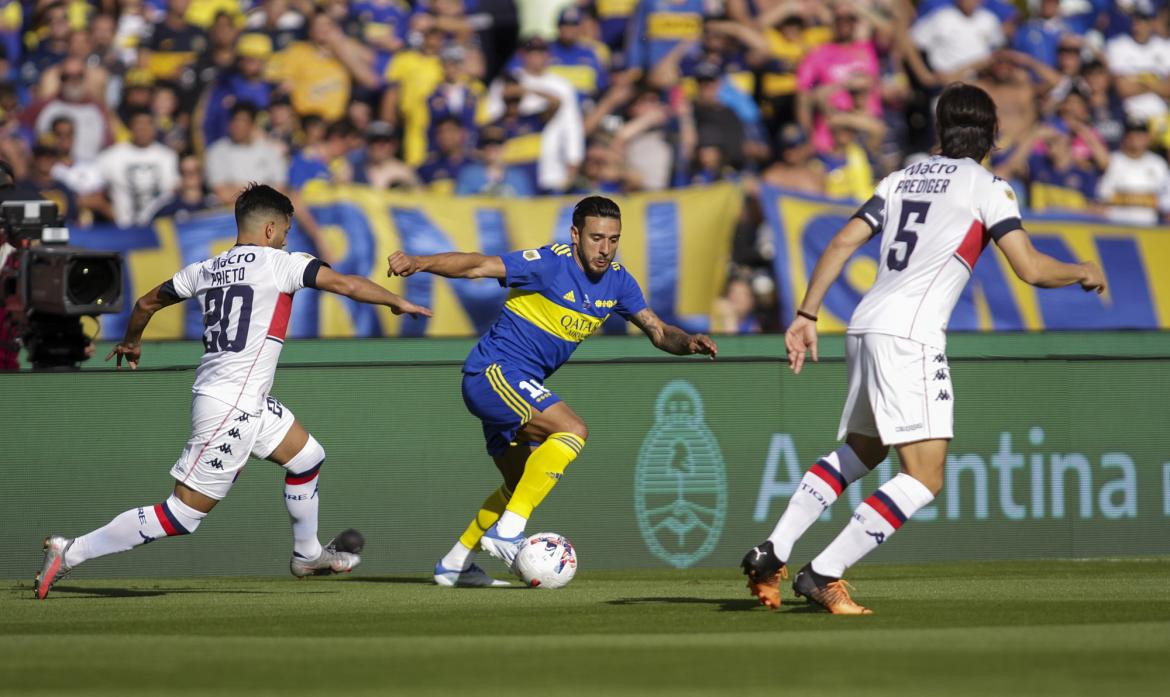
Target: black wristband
{"type": "Point", "coordinates": [806, 315]}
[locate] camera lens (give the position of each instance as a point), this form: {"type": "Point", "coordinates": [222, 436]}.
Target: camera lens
{"type": "Point", "coordinates": [92, 281]}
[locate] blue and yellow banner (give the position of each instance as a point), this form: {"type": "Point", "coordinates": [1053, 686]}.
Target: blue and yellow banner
{"type": "Point", "coordinates": [1135, 260]}
{"type": "Point", "coordinates": [677, 245]}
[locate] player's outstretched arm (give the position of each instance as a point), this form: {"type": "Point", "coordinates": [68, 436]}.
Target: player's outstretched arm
{"type": "Point", "coordinates": [130, 347]}
{"type": "Point", "coordinates": [801, 338]}
{"type": "Point", "coordinates": [1039, 269]}
{"type": "Point", "coordinates": [364, 290]}
{"type": "Point", "coordinates": [449, 264]}
{"type": "Point", "coordinates": [669, 338]}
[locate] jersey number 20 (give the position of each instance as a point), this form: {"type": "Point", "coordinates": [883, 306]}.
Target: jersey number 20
{"type": "Point", "coordinates": [904, 241]}
{"type": "Point", "coordinates": [218, 316]}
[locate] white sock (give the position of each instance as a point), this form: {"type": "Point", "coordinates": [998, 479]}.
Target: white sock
{"type": "Point", "coordinates": [301, 499]}
{"type": "Point", "coordinates": [459, 558]}
{"type": "Point", "coordinates": [136, 526]}
{"type": "Point", "coordinates": [818, 489]}
{"type": "Point", "coordinates": [878, 517]}
{"type": "Point", "coordinates": [511, 524]}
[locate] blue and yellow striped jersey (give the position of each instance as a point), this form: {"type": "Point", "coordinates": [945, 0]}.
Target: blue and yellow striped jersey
{"type": "Point", "coordinates": [553, 307]}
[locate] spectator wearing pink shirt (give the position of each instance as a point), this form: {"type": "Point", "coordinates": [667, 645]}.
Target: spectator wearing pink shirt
{"type": "Point", "coordinates": [842, 74]}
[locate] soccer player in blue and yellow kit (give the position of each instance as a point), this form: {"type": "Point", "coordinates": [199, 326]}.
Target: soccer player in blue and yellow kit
{"type": "Point", "coordinates": [560, 296]}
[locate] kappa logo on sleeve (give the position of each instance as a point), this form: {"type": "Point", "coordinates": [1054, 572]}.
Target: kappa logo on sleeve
{"type": "Point", "coordinates": [531, 254]}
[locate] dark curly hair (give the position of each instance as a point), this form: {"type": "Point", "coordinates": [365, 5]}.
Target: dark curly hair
{"type": "Point", "coordinates": [594, 206]}
{"type": "Point", "coordinates": [261, 199]}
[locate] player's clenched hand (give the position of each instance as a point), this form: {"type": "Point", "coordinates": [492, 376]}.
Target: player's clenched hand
{"type": "Point", "coordinates": [131, 352]}
{"type": "Point", "coordinates": [701, 343]}
{"type": "Point", "coordinates": [401, 264]}
{"type": "Point", "coordinates": [1094, 277]}
{"type": "Point", "coordinates": [404, 306]}
{"type": "Point", "coordinates": [799, 340]}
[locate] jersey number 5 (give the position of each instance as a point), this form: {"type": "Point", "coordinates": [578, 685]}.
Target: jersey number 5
{"type": "Point", "coordinates": [904, 241]}
{"type": "Point", "coordinates": [218, 316]}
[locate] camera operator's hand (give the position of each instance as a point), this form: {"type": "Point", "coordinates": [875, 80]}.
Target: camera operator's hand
{"type": "Point", "coordinates": [131, 352]}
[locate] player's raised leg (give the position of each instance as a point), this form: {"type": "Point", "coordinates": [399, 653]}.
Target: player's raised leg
{"type": "Point", "coordinates": [458, 567]}
{"type": "Point", "coordinates": [302, 457]}
{"type": "Point", "coordinates": [212, 458]}
{"type": "Point", "coordinates": [180, 514]}
{"type": "Point", "coordinates": [564, 434]}
{"type": "Point", "coordinates": [873, 522]}
{"type": "Point", "coordinates": [766, 564]}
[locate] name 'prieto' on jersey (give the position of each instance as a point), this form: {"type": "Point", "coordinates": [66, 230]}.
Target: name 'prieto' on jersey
{"type": "Point", "coordinates": [553, 306]}
{"type": "Point", "coordinates": [245, 295]}
{"type": "Point", "coordinates": [935, 218]}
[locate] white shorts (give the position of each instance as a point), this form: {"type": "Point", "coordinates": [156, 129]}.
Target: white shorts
{"type": "Point", "coordinates": [899, 390]}
{"type": "Point", "coordinates": [222, 439]}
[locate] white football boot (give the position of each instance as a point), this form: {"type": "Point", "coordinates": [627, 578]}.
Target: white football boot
{"type": "Point", "coordinates": [471, 577]}
{"type": "Point", "coordinates": [503, 548]}
{"type": "Point", "coordinates": [338, 557]}
{"type": "Point", "coordinates": [54, 569]}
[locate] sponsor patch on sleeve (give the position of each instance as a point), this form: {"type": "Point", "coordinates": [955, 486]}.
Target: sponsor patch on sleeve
{"type": "Point", "coordinates": [531, 254]}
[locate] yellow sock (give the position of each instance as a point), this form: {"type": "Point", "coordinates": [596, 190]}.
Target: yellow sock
{"type": "Point", "coordinates": [543, 469]}
{"type": "Point", "coordinates": [488, 514]}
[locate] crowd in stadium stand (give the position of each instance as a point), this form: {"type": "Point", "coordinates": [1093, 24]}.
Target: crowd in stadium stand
{"type": "Point", "coordinates": [128, 110]}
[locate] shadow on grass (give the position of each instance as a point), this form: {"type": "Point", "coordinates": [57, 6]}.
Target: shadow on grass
{"type": "Point", "coordinates": [416, 580]}
{"type": "Point", "coordinates": [424, 581]}
{"type": "Point", "coordinates": [149, 592]}
{"type": "Point", "coordinates": [724, 604]}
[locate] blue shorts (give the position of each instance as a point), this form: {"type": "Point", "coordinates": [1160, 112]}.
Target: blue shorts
{"type": "Point", "coordinates": [504, 400]}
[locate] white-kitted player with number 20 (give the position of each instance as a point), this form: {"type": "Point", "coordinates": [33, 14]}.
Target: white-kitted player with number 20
{"type": "Point", "coordinates": [246, 296]}
{"type": "Point", "coordinates": [935, 218]}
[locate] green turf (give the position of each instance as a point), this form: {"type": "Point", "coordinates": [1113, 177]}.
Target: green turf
{"type": "Point", "coordinates": [987, 629]}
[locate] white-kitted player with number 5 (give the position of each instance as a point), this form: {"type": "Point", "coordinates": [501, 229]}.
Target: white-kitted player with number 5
{"type": "Point", "coordinates": [935, 218]}
{"type": "Point", "coordinates": [246, 296]}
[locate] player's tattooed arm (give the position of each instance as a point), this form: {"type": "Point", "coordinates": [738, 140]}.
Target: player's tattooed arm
{"type": "Point", "coordinates": [449, 264]}
{"type": "Point", "coordinates": [155, 299]}
{"type": "Point", "coordinates": [671, 339]}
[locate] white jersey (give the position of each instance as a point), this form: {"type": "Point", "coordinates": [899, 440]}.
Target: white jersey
{"type": "Point", "coordinates": [935, 217]}
{"type": "Point", "coordinates": [246, 297]}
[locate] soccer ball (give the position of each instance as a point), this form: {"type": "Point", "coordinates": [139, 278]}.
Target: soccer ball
{"type": "Point", "coordinates": [547, 560]}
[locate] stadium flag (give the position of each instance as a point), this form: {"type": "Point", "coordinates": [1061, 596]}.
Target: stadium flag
{"type": "Point", "coordinates": [1134, 260]}
{"type": "Point", "coordinates": [677, 244]}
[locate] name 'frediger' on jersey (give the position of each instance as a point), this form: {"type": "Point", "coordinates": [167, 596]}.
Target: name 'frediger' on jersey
{"type": "Point", "coordinates": [935, 218]}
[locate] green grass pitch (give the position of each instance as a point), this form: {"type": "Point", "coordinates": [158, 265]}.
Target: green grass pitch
{"type": "Point", "coordinates": [981, 628]}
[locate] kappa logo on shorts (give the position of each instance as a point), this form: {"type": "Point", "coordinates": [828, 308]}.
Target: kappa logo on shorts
{"type": "Point", "coordinates": [216, 463]}
{"type": "Point", "coordinates": [242, 418]}
{"type": "Point", "coordinates": [940, 358]}
{"type": "Point", "coordinates": [943, 396]}
{"type": "Point", "coordinates": [234, 433]}
{"type": "Point", "coordinates": [225, 448]}
{"type": "Point", "coordinates": [940, 375]}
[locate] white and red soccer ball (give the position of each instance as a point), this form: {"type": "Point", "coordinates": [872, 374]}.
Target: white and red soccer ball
{"type": "Point", "coordinates": [547, 560]}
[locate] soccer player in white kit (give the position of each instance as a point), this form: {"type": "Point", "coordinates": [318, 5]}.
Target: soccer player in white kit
{"type": "Point", "coordinates": [934, 218]}
{"type": "Point", "coordinates": [246, 296]}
